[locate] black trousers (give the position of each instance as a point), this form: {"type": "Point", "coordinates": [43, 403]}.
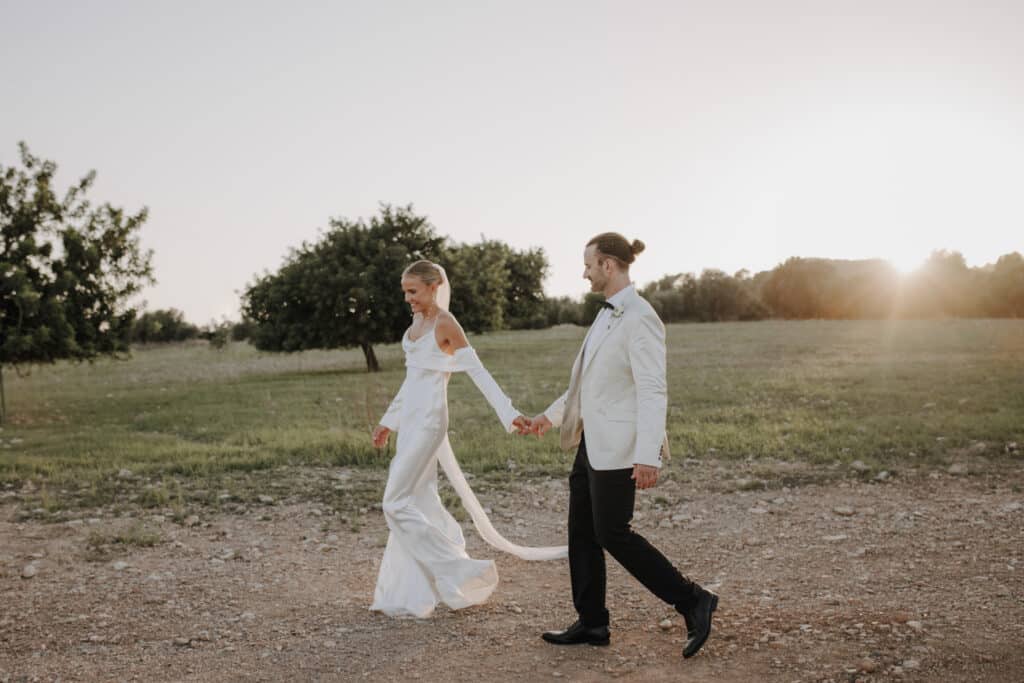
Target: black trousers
{"type": "Point", "coordinates": [600, 510]}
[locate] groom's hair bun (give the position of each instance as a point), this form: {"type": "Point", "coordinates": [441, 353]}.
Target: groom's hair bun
{"type": "Point", "coordinates": [424, 270]}
{"type": "Point", "coordinates": [613, 245]}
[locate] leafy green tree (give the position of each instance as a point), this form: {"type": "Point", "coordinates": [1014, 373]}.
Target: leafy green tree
{"type": "Point", "coordinates": [344, 290]}
{"type": "Point", "coordinates": [524, 296]}
{"type": "Point", "coordinates": [161, 326]}
{"type": "Point", "coordinates": [67, 269]}
{"type": "Point", "coordinates": [480, 281]}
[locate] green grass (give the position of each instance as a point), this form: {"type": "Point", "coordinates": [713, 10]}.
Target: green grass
{"type": "Point", "coordinates": [187, 418]}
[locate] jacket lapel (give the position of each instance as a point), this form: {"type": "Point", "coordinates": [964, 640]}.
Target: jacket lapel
{"type": "Point", "coordinates": [612, 323]}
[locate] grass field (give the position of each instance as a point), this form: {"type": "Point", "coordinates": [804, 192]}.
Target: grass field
{"type": "Point", "coordinates": [186, 419]}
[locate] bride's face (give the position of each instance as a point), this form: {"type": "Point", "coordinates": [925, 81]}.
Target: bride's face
{"type": "Point", "coordinates": [418, 294]}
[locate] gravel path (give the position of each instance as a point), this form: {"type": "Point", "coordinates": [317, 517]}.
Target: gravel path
{"type": "Point", "coordinates": [917, 577]}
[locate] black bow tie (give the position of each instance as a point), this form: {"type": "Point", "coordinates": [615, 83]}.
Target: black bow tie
{"type": "Point", "coordinates": [608, 304]}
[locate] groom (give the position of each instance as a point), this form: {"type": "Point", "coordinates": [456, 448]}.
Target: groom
{"type": "Point", "coordinates": [614, 416]}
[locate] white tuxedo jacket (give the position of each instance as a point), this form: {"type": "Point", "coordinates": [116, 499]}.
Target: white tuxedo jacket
{"type": "Point", "coordinates": [618, 393]}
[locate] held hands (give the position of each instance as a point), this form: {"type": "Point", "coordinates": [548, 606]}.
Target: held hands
{"type": "Point", "coordinates": [522, 424]}
{"type": "Point", "coordinates": [380, 436]}
{"type": "Point", "coordinates": [644, 475]}
{"type": "Point", "coordinates": [540, 425]}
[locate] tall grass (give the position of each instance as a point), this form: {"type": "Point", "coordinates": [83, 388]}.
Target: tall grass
{"type": "Point", "coordinates": [812, 391]}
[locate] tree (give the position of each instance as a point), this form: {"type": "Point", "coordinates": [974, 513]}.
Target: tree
{"type": "Point", "coordinates": [67, 269]}
{"type": "Point", "coordinates": [1007, 286]}
{"type": "Point", "coordinates": [524, 296]}
{"type": "Point", "coordinates": [480, 282]}
{"type": "Point", "coordinates": [161, 326]}
{"type": "Point", "coordinates": [344, 290]}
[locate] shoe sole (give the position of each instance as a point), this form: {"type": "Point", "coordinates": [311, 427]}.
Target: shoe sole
{"type": "Point", "coordinates": [595, 643]}
{"type": "Point", "coordinates": [714, 606]}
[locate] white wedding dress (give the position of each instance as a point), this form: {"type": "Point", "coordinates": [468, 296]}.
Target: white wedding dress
{"type": "Point", "coordinates": [425, 561]}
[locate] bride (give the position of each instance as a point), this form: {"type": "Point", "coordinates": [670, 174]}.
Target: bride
{"type": "Point", "coordinates": [425, 561]}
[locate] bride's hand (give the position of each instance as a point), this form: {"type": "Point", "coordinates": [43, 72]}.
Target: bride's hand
{"type": "Point", "coordinates": [380, 436]}
{"type": "Point", "coordinates": [522, 424]}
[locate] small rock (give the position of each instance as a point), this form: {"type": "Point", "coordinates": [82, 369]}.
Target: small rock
{"type": "Point", "coordinates": [119, 566]}
{"type": "Point", "coordinates": [266, 500]}
{"type": "Point", "coordinates": [916, 625]}
{"type": "Point", "coordinates": [30, 570]}
{"type": "Point", "coordinates": [835, 539]}
{"type": "Point", "coordinates": [182, 642]}
{"type": "Point", "coordinates": [665, 624]}
{"type": "Point", "coordinates": [125, 474]}
{"type": "Point", "coordinates": [192, 520]}
{"type": "Point", "coordinates": [843, 511]}
{"type": "Point", "coordinates": [859, 466]}
{"type": "Point", "coordinates": [911, 664]}
{"type": "Point", "coordinates": [332, 538]}
{"type": "Point", "coordinates": [868, 665]}
{"type": "Point", "coordinates": [882, 476]}
{"type": "Point", "coordinates": [957, 468]}
{"type": "Point", "coordinates": [758, 511]}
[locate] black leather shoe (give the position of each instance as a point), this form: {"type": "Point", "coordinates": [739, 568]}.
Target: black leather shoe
{"type": "Point", "coordinates": [698, 621]}
{"type": "Point", "coordinates": [578, 634]}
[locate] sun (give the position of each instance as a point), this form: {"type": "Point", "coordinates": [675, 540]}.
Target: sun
{"type": "Point", "coordinates": [907, 263]}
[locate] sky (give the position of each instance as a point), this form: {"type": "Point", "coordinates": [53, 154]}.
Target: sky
{"type": "Point", "coordinates": [724, 134]}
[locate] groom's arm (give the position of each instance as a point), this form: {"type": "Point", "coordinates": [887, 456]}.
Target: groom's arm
{"type": "Point", "coordinates": [556, 411]}
{"type": "Point", "coordinates": [647, 362]}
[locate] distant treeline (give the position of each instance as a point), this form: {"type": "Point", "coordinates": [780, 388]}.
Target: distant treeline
{"type": "Point", "coordinates": [800, 288]}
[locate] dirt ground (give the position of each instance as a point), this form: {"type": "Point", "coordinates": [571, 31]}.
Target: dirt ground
{"type": "Point", "coordinates": [849, 576]}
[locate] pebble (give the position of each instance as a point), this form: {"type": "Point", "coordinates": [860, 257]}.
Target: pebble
{"type": "Point", "coordinates": [192, 520]}
{"type": "Point", "coordinates": [843, 511]}
{"type": "Point", "coordinates": [124, 474]}
{"type": "Point", "coordinates": [911, 664]}
{"type": "Point", "coordinates": [868, 665]}
{"type": "Point", "coordinates": [120, 566]}
{"type": "Point", "coordinates": [758, 511]}
{"type": "Point", "coordinates": [29, 571]}
{"type": "Point", "coordinates": [267, 500]}
{"type": "Point", "coordinates": [665, 624]}
{"type": "Point", "coordinates": [859, 466]}
{"type": "Point", "coordinates": [835, 539]}
{"type": "Point", "coordinates": [957, 468]}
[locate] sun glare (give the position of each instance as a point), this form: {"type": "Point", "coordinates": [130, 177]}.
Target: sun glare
{"type": "Point", "coordinates": [906, 263]}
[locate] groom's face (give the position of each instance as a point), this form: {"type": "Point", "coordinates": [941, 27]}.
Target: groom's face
{"type": "Point", "coordinates": [594, 270]}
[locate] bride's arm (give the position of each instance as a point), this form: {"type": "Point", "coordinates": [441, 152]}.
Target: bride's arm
{"type": "Point", "coordinates": [391, 418]}
{"type": "Point", "coordinates": [453, 340]}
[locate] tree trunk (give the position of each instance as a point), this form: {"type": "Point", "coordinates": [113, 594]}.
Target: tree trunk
{"type": "Point", "coordinates": [371, 358]}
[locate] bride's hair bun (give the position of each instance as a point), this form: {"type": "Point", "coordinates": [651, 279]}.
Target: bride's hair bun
{"type": "Point", "coordinates": [638, 247]}
{"type": "Point", "coordinates": [426, 271]}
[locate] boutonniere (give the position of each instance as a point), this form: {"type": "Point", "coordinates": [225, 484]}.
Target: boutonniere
{"type": "Point", "coordinates": [616, 313]}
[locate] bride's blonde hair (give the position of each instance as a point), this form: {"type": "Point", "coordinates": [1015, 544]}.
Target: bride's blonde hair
{"type": "Point", "coordinates": [426, 271]}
